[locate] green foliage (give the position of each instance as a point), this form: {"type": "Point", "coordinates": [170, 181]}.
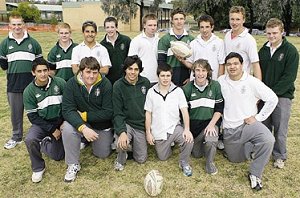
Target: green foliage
{"type": "Point", "coordinates": [29, 12]}
{"type": "Point", "coordinates": [123, 10]}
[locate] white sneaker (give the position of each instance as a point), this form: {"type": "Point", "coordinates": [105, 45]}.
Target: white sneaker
{"type": "Point", "coordinates": [10, 144]}
{"type": "Point", "coordinates": [279, 163]}
{"type": "Point", "coordinates": [71, 173]}
{"type": "Point", "coordinates": [255, 182]}
{"type": "Point", "coordinates": [118, 166]}
{"type": "Point", "coordinates": [82, 145]}
{"type": "Point", "coordinates": [37, 176]}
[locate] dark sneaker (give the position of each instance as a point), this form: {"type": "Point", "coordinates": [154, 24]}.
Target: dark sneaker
{"type": "Point", "coordinates": [211, 169]}
{"type": "Point", "coordinates": [186, 169]}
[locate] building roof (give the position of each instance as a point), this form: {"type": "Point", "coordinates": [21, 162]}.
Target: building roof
{"type": "Point", "coordinates": [43, 7]}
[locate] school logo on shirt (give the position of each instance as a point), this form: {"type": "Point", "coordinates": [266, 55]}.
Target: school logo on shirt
{"type": "Point", "coordinates": [214, 48]}
{"type": "Point", "coordinates": [281, 57]}
{"type": "Point", "coordinates": [97, 92]}
{"type": "Point", "coordinates": [37, 95]}
{"type": "Point", "coordinates": [210, 94]}
{"type": "Point", "coordinates": [122, 46]}
{"type": "Point", "coordinates": [56, 90]}
{"type": "Point", "coordinates": [58, 56]}
{"type": "Point", "coordinates": [243, 89]}
{"type": "Point", "coordinates": [11, 47]}
{"type": "Point", "coordinates": [143, 89]}
{"type": "Point", "coordinates": [193, 94]}
{"type": "Point", "coordinates": [29, 47]}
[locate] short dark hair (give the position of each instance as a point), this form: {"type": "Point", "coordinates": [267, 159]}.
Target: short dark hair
{"type": "Point", "coordinates": [234, 55]}
{"type": "Point", "coordinates": [204, 64]}
{"type": "Point", "coordinates": [130, 60]}
{"type": "Point", "coordinates": [206, 18]}
{"type": "Point", "coordinates": [111, 19]}
{"type": "Point", "coordinates": [89, 63]}
{"type": "Point", "coordinates": [163, 67]}
{"type": "Point", "coordinates": [89, 23]}
{"type": "Point", "coordinates": [39, 61]}
{"type": "Point", "coordinates": [177, 11]}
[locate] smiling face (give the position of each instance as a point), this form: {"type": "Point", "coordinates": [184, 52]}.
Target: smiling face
{"type": "Point", "coordinates": [64, 35]}
{"type": "Point", "coordinates": [41, 74]}
{"type": "Point", "coordinates": [274, 35]}
{"type": "Point", "coordinates": [89, 35]}
{"type": "Point", "coordinates": [236, 21]}
{"type": "Point", "coordinates": [17, 26]}
{"type": "Point", "coordinates": [132, 73]}
{"type": "Point", "coordinates": [205, 30]}
{"type": "Point", "coordinates": [111, 29]}
{"type": "Point", "coordinates": [200, 75]}
{"type": "Point", "coordinates": [234, 68]}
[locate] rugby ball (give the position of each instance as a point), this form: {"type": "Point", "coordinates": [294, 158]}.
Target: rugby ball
{"type": "Point", "coordinates": [181, 49]}
{"type": "Point", "coordinates": [153, 183]}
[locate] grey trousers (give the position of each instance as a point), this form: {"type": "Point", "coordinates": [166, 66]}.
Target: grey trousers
{"type": "Point", "coordinates": [278, 123]}
{"type": "Point", "coordinates": [72, 138]}
{"type": "Point", "coordinates": [205, 146]}
{"type": "Point", "coordinates": [15, 101]}
{"type": "Point", "coordinates": [249, 142]}
{"type": "Point", "coordinates": [163, 147]}
{"type": "Point", "coordinates": [54, 148]}
{"type": "Point", "coordinates": [138, 142]}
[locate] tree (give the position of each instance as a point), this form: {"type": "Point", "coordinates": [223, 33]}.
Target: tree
{"type": "Point", "coordinates": [124, 10]}
{"type": "Point", "coordinates": [28, 11]}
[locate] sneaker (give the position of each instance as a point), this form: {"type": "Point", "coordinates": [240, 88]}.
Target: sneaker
{"type": "Point", "coordinates": [255, 182]}
{"type": "Point", "coordinates": [37, 176]}
{"type": "Point", "coordinates": [279, 163]}
{"type": "Point", "coordinates": [118, 166]}
{"type": "Point", "coordinates": [211, 169]}
{"type": "Point", "coordinates": [82, 145]}
{"type": "Point", "coordinates": [71, 173]}
{"type": "Point", "coordinates": [10, 144]}
{"type": "Point", "coordinates": [187, 170]}
{"type": "Point", "coordinates": [220, 145]}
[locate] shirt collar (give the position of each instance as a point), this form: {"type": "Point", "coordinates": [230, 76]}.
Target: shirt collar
{"type": "Point", "coordinates": [10, 35]}
{"type": "Point", "coordinates": [172, 32]}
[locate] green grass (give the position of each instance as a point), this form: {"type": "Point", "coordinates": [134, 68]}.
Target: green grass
{"type": "Point", "coordinates": [98, 179]}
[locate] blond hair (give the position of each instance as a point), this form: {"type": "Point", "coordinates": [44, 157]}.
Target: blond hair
{"type": "Point", "coordinates": [63, 26]}
{"type": "Point", "coordinates": [238, 9]}
{"type": "Point", "coordinates": [274, 22]}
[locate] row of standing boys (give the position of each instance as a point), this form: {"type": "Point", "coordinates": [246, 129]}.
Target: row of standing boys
{"type": "Point", "coordinates": [142, 87]}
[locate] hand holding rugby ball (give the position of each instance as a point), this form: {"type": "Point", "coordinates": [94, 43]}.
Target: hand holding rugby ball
{"type": "Point", "coordinates": [181, 49]}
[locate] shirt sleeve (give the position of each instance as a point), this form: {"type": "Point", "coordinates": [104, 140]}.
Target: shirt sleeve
{"type": "Point", "coordinates": [264, 93]}
{"type": "Point", "coordinates": [148, 103]}
{"type": "Point", "coordinates": [105, 61]}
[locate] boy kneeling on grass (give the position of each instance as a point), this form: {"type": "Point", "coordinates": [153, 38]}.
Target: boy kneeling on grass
{"type": "Point", "coordinates": [163, 127]}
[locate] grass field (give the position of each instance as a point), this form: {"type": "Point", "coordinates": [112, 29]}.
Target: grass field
{"type": "Point", "coordinates": [98, 179]}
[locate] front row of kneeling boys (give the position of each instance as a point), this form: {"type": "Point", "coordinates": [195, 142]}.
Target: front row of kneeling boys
{"type": "Point", "coordinates": [88, 106]}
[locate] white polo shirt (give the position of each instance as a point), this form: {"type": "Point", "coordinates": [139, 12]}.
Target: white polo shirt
{"type": "Point", "coordinates": [98, 51]}
{"type": "Point", "coordinates": [245, 45]}
{"type": "Point", "coordinates": [165, 110]}
{"type": "Point", "coordinates": [146, 49]}
{"type": "Point", "coordinates": [240, 99]}
{"type": "Point", "coordinates": [211, 50]}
